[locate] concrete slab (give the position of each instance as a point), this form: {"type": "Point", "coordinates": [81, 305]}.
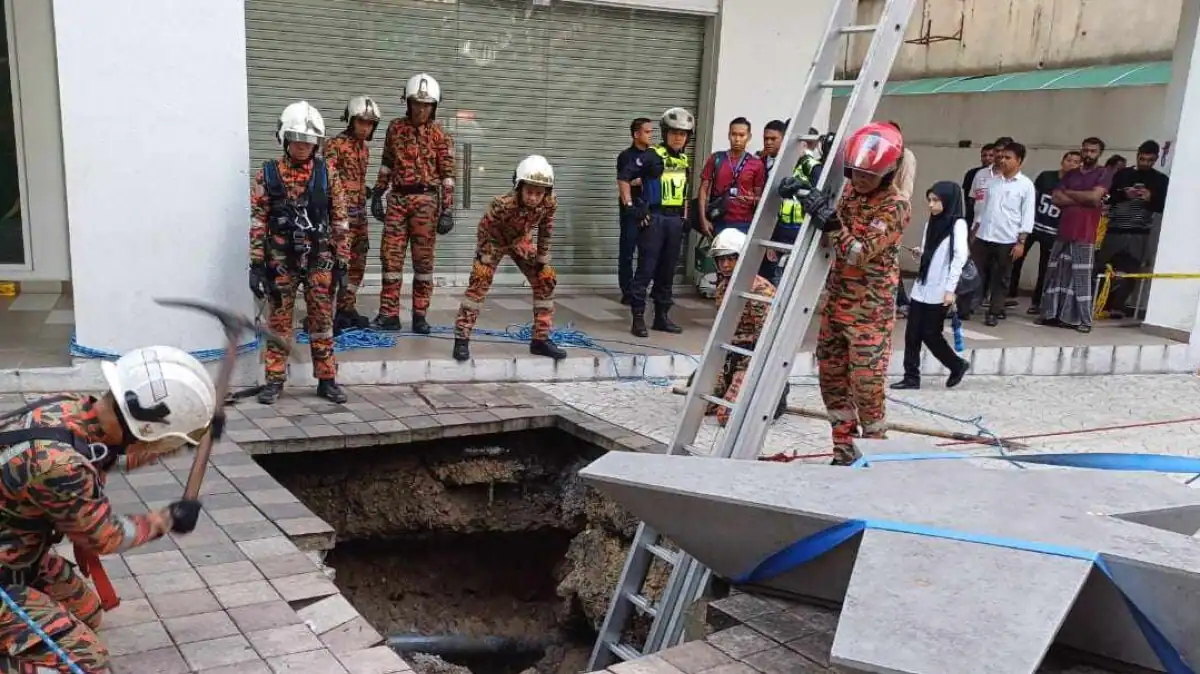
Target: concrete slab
{"type": "Point", "coordinates": [731, 515]}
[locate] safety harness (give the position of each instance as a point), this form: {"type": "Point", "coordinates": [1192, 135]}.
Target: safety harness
{"type": "Point", "coordinates": [299, 227]}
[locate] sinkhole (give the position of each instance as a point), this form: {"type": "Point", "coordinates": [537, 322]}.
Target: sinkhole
{"type": "Point", "coordinates": [487, 552]}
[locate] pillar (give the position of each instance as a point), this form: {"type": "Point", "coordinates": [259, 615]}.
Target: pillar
{"type": "Point", "coordinates": [156, 156]}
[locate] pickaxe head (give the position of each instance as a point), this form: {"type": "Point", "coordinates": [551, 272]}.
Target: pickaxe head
{"type": "Point", "coordinates": [233, 323]}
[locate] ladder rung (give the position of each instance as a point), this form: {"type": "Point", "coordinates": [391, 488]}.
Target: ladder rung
{"type": "Point", "coordinates": [716, 401]}
{"type": "Point", "coordinates": [625, 653]}
{"type": "Point", "coordinates": [642, 602]}
{"type": "Point", "coordinates": [756, 298]}
{"type": "Point", "coordinates": [777, 245]}
{"type": "Point", "coordinates": [738, 350]}
{"type": "Point", "coordinates": [839, 84]}
{"type": "Point", "coordinates": [865, 28]}
{"type": "Point", "coordinates": [662, 553]}
{"type": "Point", "coordinates": [696, 451]}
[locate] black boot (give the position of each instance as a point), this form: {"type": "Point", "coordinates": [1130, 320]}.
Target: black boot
{"type": "Point", "coordinates": [547, 348]}
{"type": "Point", "coordinates": [907, 384]}
{"type": "Point", "coordinates": [386, 323]}
{"type": "Point", "coordinates": [663, 323]}
{"type": "Point", "coordinates": [342, 322]}
{"type": "Point", "coordinates": [270, 392]}
{"type": "Point", "coordinates": [462, 350]}
{"type": "Point", "coordinates": [329, 390]}
{"type": "Point", "coordinates": [351, 319]}
{"type": "Point", "coordinates": [419, 324]}
{"type": "Point", "coordinates": [638, 329]}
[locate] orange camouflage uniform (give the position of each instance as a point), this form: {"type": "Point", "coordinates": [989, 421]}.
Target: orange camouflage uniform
{"type": "Point", "coordinates": [351, 156]}
{"type": "Point", "coordinates": [48, 488]}
{"type": "Point", "coordinates": [854, 344]}
{"type": "Point", "coordinates": [274, 249]}
{"type": "Point", "coordinates": [416, 160]}
{"type": "Point", "coordinates": [507, 229]}
{"type": "Point", "coordinates": [749, 326]}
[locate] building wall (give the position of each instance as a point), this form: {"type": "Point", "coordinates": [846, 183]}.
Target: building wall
{"type": "Point", "coordinates": [155, 148]}
{"type": "Point", "coordinates": [1018, 35]}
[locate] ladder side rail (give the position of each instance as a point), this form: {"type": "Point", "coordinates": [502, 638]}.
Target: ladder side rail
{"type": "Point", "coordinates": [633, 575]}
{"type": "Point", "coordinates": [672, 599]}
{"type": "Point", "coordinates": [788, 331]}
{"type": "Point", "coordinates": [693, 587]}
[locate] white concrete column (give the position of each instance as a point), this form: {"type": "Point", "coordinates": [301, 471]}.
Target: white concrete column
{"type": "Point", "coordinates": [154, 119]}
{"type": "Point", "coordinates": [1173, 303]}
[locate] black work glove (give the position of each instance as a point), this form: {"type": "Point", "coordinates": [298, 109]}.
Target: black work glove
{"type": "Point", "coordinates": [639, 211]}
{"type": "Point", "coordinates": [259, 282]}
{"type": "Point", "coordinates": [184, 515]}
{"type": "Point", "coordinates": [445, 222]}
{"type": "Point", "coordinates": [821, 208]}
{"type": "Point", "coordinates": [791, 186]}
{"type": "Point", "coordinates": [377, 210]}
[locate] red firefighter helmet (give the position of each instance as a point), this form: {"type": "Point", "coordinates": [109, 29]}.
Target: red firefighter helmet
{"type": "Point", "coordinates": [876, 148]}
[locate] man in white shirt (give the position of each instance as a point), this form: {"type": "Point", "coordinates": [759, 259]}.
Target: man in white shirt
{"type": "Point", "coordinates": [1004, 218]}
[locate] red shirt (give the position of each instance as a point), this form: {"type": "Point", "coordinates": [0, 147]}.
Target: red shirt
{"type": "Point", "coordinates": [1079, 223]}
{"type": "Point", "coordinates": [750, 184]}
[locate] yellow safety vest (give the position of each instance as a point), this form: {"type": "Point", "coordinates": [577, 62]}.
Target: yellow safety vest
{"type": "Point", "coordinates": [674, 178]}
{"type": "Point", "coordinates": [790, 211]}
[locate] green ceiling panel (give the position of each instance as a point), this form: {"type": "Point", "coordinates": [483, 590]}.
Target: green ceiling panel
{"type": "Point", "coordinates": [1091, 77]}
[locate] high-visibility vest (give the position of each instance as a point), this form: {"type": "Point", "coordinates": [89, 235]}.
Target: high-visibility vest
{"type": "Point", "coordinates": [790, 211]}
{"type": "Point", "coordinates": [673, 182]}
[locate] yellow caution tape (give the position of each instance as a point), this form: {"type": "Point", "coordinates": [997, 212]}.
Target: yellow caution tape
{"type": "Point", "coordinates": [8, 289]}
{"type": "Point", "coordinates": [1098, 311]}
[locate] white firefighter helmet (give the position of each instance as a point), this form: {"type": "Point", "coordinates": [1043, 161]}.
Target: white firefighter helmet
{"type": "Point", "coordinates": [422, 88]}
{"type": "Point", "coordinates": [162, 392]}
{"type": "Point", "coordinates": [302, 123]}
{"type": "Point", "coordinates": [363, 108]}
{"type": "Point", "coordinates": [728, 242]}
{"type": "Point", "coordinates": [535, 170]}
{"type": "Point", "coordinates": [678, 118]}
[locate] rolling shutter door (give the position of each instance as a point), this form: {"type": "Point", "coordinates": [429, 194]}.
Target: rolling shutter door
{"type": "Point", "coordinates": [562, 81]}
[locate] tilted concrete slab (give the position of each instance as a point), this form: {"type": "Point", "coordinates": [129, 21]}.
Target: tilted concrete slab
{"type": "Point", "coordinates": [731, 515]}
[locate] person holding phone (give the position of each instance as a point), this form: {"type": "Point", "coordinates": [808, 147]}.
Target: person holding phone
{"type": "Point", "coordinates": [1138, 195]}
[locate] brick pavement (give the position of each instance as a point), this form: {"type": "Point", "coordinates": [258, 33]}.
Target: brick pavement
{"type": "Point", "coordinates": [246, 592]}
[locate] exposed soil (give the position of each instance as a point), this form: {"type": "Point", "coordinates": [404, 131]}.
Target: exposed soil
{"type": "Point", "coordinates": [488, 536]}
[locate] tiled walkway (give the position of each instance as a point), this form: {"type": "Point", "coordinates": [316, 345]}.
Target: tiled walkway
{"type": "Point", "coordinates": [246, 593]}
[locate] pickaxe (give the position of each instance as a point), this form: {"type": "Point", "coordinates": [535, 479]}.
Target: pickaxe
{"type": "Point", "coordinates": [234, 325]}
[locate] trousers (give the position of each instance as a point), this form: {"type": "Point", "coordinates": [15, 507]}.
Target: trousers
{"type": "Point", "coordinates": [63, 605]}
{"type": "Point", "coordinates": [318, 304]}
{"type": "Point", "coordinates": [411, 219]}
{"type": "Point", "coordinates": [852, 361]}
{"type": "Point", "coordinates": [925, 323]}
{"type": "Point", "coordinates": [995, 264]}
{"type": "Point", "coordinates": [658, 254]}
{"type": "Point", "coordinates": [540, 276]}
{"type": "Point", "coordinates": [770, 269]}
{"type": "Point", "coordinates": [627, 246]}
{"type": "Point", "coordinates": [360, 245]}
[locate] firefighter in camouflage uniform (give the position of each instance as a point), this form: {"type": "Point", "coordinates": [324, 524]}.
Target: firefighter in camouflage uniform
{"type": "Point", "coordinates": [56, 453]}
{"type": "Point", "coordinates": [351, 154]}
{"type": "Point", "coordinates": [864, 230]}
{"type": "Point", "coordinates": [417, 175]}
{"type": "Point", "coordinates": [507, 229]}
{"type": "Point", "coordinates": [298, 238]}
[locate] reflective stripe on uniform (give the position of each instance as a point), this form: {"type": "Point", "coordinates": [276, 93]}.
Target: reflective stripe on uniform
{"type": "Point", "coordinates": [843, 415]}
{"type": "Point", "coordinates": [876, 427]}
{"type": "Point", "coordinates": [393, 276]}
{"type": "Point", "coordinates": [321, 335]}
{"type": "Point", "coordinates": [543, 304]}
{"type": "Point", "coordinates": [422, 277]}
{"type": "Point", "coordinates": [471, 304]}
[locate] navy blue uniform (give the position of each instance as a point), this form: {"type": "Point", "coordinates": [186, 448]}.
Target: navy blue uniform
{"type": "Point", "coordinates": [627, 245]}
{"type": "Point", "coordinates": [664, 192]}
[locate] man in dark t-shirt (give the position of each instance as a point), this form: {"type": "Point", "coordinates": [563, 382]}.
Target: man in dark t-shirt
{"type": "Point", "coordinates": [642, 132]}
{"type": "Point", "coordinates": [1045, 227]}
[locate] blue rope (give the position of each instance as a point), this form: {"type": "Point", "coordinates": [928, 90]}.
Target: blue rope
{"type": "Point", "coordinates": [204, 355]}
{"type": "Point", "coordinates": [41, 634]}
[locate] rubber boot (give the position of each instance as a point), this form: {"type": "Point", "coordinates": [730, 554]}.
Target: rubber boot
{"type": "Point", "coordinates": [462, 350]}
{"type": "Point", "coordinates": [663, 323]}
{"type": "Point", "coordinates": [329, 390]}
{"type": "Point", "coordinates": [419, 325]}
{"type": "Point", "coordinates": [638, 329]}
{"type": "Point", "coordinates": [358, 320]}
{"type": "Point", "coordinates": [386, 323]}
{"type": "Point", "coordinates": [342, 322]}
{"type": "Point", "coordinates": [270, 392]}
{"type": "Point", "coordinates": [547, 348]}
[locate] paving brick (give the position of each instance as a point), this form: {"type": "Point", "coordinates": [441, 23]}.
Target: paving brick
{"type": "Point", "coordinates": [175, 581]}
{"type": "Point", "coordinates": [176, 604]}
{"type": "Point", "coordinates": [114, 565]}
{"type": "Point", "coordinates": [208, 555]}
{"type": "Point", "coordinates": [135, 638]}
{"type": "Point", "coordinates": [648, 665]}
{"type": "Point", "coordinates": [284, 640]}
{"type": "Point", "coordinates": [130, 612]}
{"type": "Point", "coordinates": [326, 614]}
{"type": "Point", "coordinates": [221, 501]}
{"type": "Point", "coordinates": [127, 588]}
{"type": "Point", "coordinates": [743, 606]}
{"type": "Point", "coordinates": [254, 435]}
{"type": "Point", "coordinates": [352, 636]}
{"type": "Point", "coordinates": [738, 642]}
{"type": "Point", "coordinates": [268, 547]}
{"type": "Point", "coordinates": [321, 431]}
{"type": "Point", "coordinates": [229, 574]}
{"type": "Point", "coordinates": [149, 477]}
{"type": "Point", "coordinates": [157, 562]}
{"type": "Point", "coordinates": [213, 653]}
{"type": "Point", "coordinates": [247, 667]}
{"type": "Point", "coordinates": [781, 626]}
{"type": "Point", "coordinates": [257, 617]}
{"type": "Point", "coordinates": [237, 515]}
{"type": "Point", "coordinates": [244, 594]}
{"type": "Point", "coordinates": [731, 668]}
{"type": "Point", "coordinates": [277, 566]}
{"type": "Point", "coordinates": [780, 660]}
{"type": "Point", "coordinates": [694, 657]}
{"type": "Point", "coordinates": [159, 492]}
{"type": "Point", "coordinates": [311, 662]}
{"type": "Point", "coordinates": [250, 531]}
{"type": "Point", "coordinates": [239, 470]}
{"type": "Point", "coordinates": [200, 627]}
{"type": "Point", "coordinates": [164, 543]}
{"type": "Point", "coordinates": [378, 660]}
{"type": "Point", "coordinates": [267, 496]}
{"type": "Point", "coordinates": [304, 586]}
{"type": "Point", "coordinates": [284, 511]}
{"type": "Point", "coordinates": [305, 526]}
{"type": "Point", "coordinates": [161, 661]}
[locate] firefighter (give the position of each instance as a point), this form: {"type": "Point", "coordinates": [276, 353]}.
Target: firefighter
{"type": "Point", "coordinates": [662, 209]}
{"type": "Point", "coordinates": [418, 164]}
{"type": "Point", "coordinates": [507, 229]}
{"type": "Point", "coordinates": [727, 246]}
{"type": "Point", "coordinates": [293, 244]}
{"type": "Point", "coordinates": [57, 453]}
{"type": "Point", "coordinates": [351, 154]}
{"type": "Point", "coordinates": [864, 230]}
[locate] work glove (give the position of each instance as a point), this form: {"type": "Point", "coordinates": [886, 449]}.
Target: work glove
{"type": "Point", "coordinates": [639, 211]}
{"type": "Point", "coordinates": [184, 515]}
{"type": "Point", "coordinates": [377, 210]}
{"type": "Point", "coordinates": [260, 284]}
{"type": "Point", "coordinates": [821, 208]}
{"type": "Point", "coordinates": [791, 186]}
{"type": "Point", "coordinates": [445, 222]}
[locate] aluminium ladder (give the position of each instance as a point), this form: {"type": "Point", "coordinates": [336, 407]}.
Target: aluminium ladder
{"type": "Point", "coordinates": [788, 318]}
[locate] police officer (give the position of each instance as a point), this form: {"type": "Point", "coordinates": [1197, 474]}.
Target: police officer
{"type": "Point", "coordinates": [417, 165]}
{"type": "Point", "coordinates": [298, 237]}
{"type": "Point", "coordinates": [507, 229]}
{"type": "Point", "coordinates": [791, 213]}
{"type": "Point", "coordinates": [663, 170]}
{"type": "Point", "coordinates": [351, 154]}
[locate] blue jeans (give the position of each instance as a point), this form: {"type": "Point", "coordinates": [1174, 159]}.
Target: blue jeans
{"type": "Point", "coordinates": [626, 253]}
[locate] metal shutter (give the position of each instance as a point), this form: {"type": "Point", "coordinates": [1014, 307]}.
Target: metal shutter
{"type": "Point", "coordinates": [563, 81]}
